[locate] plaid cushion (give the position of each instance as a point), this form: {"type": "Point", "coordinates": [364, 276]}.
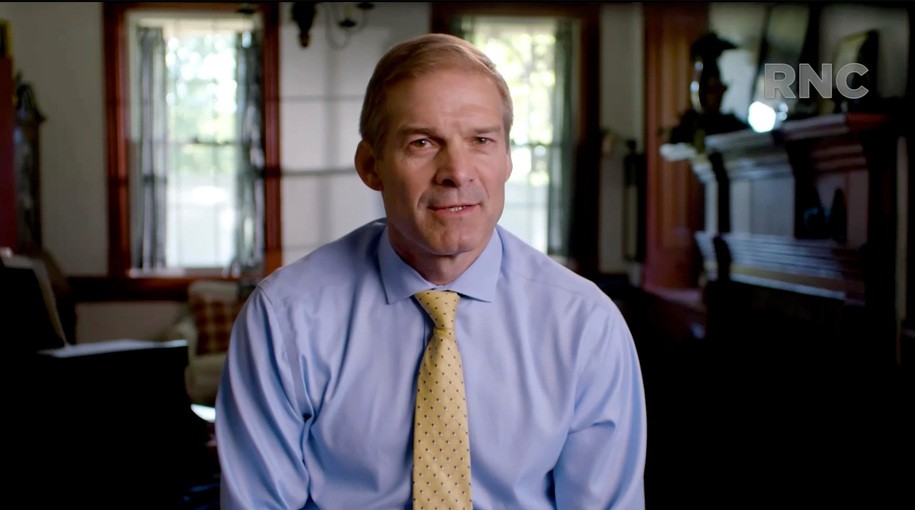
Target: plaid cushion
{"type": "Point", "coordinates": [214, 319]}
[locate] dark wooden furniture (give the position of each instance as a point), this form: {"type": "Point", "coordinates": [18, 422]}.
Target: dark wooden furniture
{"type": "Point", "coordinates": [20, 168]}
{"type": "Point", "coordinates": [801, 234]}
{"type": "Point", "coordinates": [802, 388]}
{"type": "Point", "coordinates": [27, 141]}
{"type": "Point", "coordinates": [8, 213]}
{"type": "Point", "coordinates": [98, 425]}
{"type": "Point", "coordinates": [907, 347]}
{"type": "Point", "coordinates": [107, 425]}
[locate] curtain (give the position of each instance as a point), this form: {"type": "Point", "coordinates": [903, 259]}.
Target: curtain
{"type": "Point", "coordinates": [249, 236]}
{"type": "Point", "coordinates": [152, 166]}
{"type": "Point", "coordinates": [561, 166]}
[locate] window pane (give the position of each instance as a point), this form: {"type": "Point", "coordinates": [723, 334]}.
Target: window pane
{"type": "Point", "coordinates": [201, 98]}
{"type": "Point", "coordinates": [201, 206]}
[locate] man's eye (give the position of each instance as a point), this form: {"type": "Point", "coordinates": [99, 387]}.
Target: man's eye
{"type": "Point", "coordinates": [420, 143]}
{"type": "Point", "coordinates": [482, 140]}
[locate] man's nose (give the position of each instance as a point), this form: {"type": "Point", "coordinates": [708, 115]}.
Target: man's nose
{"type": "Point", "coordinates": [455, 167]}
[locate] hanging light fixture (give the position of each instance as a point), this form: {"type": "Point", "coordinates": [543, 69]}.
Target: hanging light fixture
{"type": "Point", "coordinates": [246, 8]}
{"type": "Point", "coordinates": [348, 17]}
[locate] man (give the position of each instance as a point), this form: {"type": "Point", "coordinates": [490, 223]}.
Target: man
{"type": "Point", "coordinates": [318, 405]}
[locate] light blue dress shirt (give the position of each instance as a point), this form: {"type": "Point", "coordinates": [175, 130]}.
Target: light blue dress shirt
{"type": "Point", "coordinates": [315, 406]}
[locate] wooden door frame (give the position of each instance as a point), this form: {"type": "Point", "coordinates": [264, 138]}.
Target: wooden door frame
{"type": "Point", "coordinates": [674, 210]}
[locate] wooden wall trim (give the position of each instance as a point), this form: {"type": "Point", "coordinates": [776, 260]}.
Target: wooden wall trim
{"type": "Point", "coordinates": [273, 233]}
{"type": "Point", "coordinates": [116, 107]}
{"type": "Point", "coordinates": [96, 289]}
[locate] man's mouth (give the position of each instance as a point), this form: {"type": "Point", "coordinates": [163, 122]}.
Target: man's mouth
{"type": "Point", "coordinates": [453, 208]}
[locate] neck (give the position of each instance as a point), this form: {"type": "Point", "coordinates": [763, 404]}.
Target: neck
{"type": "Point", "coordinates": [441, 270]}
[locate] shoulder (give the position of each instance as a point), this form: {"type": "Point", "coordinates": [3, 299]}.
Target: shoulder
{"type": "Point", "coordinates": [546, 279]}
{"type": "Point", "coordinates": [565, 306]}
{"type": "Point", "coordinates": [340, 263]}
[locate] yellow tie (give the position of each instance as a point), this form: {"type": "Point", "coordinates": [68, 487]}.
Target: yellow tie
{"type": "Point", "coordinates": [441, 445]}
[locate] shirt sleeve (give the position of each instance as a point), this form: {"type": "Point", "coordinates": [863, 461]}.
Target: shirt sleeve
{"type": "Point", "coordinates": [603, 460]}
{"type": "Point", "coordinates": [262, 415]}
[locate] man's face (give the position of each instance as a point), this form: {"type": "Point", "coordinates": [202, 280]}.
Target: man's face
{"type": "Point", "coordinates": [443, 167]}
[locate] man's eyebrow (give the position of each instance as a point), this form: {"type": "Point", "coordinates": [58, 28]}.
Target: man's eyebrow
{"type": "Point", "coordinates": [488, 130]}
{"type": "Point", "coordinates": [412, 130]}
{"type": "Point", "coordinates": [431, 133]}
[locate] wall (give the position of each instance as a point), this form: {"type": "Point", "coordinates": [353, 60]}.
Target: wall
{"type": "Point", "coordinates": [58, 48]}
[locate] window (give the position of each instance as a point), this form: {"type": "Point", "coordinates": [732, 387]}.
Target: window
{"type": "Point", "coordinates": [193, 143]}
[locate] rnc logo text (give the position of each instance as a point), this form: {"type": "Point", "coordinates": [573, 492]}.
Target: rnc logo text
{"type": "Point", "coordinates": [780, 77]}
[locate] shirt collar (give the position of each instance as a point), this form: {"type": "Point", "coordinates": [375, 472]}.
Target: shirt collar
{"type": "Point", "coordinates": [401, 281]}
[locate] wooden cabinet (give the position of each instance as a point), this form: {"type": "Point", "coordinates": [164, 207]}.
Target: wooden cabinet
{"type": "Point", "coordinates": [7, 157]}
{"type": "Point", "coordinates": [801, 235]}
{"type": "Point", "coordinates": [20, 201]}
{"type": "Point", "coordinates": [26, 139]}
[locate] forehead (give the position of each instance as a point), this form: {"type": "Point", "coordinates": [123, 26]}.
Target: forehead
{"type": "Point", "coordinates": [444, 91]}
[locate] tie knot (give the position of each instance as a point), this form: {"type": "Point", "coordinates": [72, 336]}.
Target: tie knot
{"type": "Point", "coordinates": [441, 305]}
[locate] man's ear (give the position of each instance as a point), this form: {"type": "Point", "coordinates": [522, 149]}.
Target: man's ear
{"type": "Point", "coordinates": [367, 166]}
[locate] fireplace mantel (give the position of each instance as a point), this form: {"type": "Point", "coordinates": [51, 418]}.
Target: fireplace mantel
{"type": "Point", "coordinates": [808, 210]}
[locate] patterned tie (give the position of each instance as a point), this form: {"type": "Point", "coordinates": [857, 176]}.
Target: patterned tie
{"type": "Point", "coordinates": [441, 445]}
